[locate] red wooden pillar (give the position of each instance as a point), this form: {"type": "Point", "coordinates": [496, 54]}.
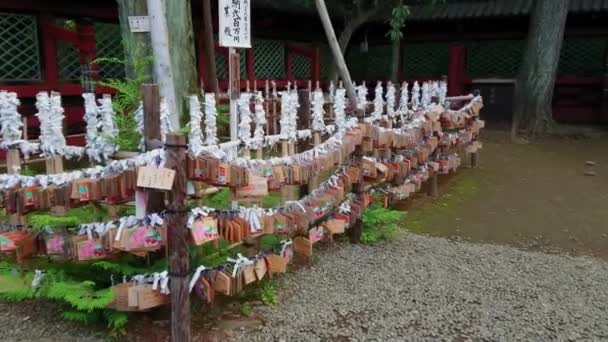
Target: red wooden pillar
{"type": "Point", "coordinates": [201, 59]}
{"type": "Point", "coordinates": [400, 64]}
{"type": "Point", "coordinates": [87, 53]}
{"type": "Point", "coordinates": [457, 70]}
{"type": "Point", "coordinates": [288, 64]}
{"type": "Point", "coordinates": [316, 64]}
{"type": "Point", "coordinates": [250, 67]}
{"type": "Point", "coordinates": [49, 51]}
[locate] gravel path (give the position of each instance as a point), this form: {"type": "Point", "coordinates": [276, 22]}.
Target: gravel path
{"type": "Point", "coordinates": [424, 288]}
{"type": "Point", "coordinates": [41, 320]}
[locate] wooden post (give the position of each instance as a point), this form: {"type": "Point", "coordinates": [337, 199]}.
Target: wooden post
{"type": "Point", "coordinates": [209, 48]}
{"type": "Point", "coordinates": [284, 148]}
{"type": "Point", "coordinates": [433, 189]}
{"type": "Point", "coordinates": [314, 181]}
{"type": "Point", "coordinates": [13, 161]}
{"type": "Point", "coordinates": [234, 90]}
{"type": "Point", "coordinates": [274, 108]}
{"type": "Point", "coordinates": [13, 164]}
{"type": "Point", "coordinates": [474, 159]}
{"type": "Point", "coordinates": [177, 240]}
{"type": "Point", "coordinates": [267, 107]}
{"type": "Point", "coordinates": [152, 138]}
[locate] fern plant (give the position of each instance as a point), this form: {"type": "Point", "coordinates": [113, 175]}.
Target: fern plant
{"type": "Point", "coordinates": [127, 98]}
{"type": "Point", "coordinates": [380, 223]}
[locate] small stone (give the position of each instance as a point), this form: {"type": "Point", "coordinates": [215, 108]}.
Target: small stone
{"type": "Point", "coordinates": [590, 173]}
{"type": "Point", "coordinates": [590, 163]}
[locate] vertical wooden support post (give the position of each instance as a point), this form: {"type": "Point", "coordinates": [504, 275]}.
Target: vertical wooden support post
{"type": "Point", "coordinates": [13, 161]}
{"type": "Point", "coordinates": [474, 159]}
{"type": "Point", "coordinates": [274, 108]}
{"type": "Point", "coordinates": [314, 181]}
{"type": "Point", "coordinates": [433, 188]}
{"type": "Point", "coordinates": [356, 230]}
{"type": "Point", "coordinates": [13, 164]}
{"type": "Point", "coordinates": [269, 117]}
{"type": "Point", "coordinates": [284, 148]}
{"type": "Point", "coordinates": [177, 240]}
{"type": "Point", "coordinates": [152, 138]}
{"type": "Point", "coordinates": [457, 70]}
{"type": "Point", "coordinates": [234, 90]}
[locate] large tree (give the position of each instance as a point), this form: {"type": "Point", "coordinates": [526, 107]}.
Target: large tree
{"type": "Point", "coordinates": [536, 78]}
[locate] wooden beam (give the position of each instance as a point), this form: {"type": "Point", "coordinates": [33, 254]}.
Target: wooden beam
{"type": "Point", "coordinates": [177, 241]}
{"type": "Point", "coordinates": [152, 138]}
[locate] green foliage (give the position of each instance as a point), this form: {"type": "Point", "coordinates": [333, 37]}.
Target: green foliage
{"type": "Point", "coordinates": [380, 223]}
{"type": "Point", "coordinates": [218, 200]}
{"type": "Point", "coordinates": [27, 171]}
{"type": "Point", "coordinates": [272, 200]}
{"type": "Point", "coordinates": [397, 21]}
{"type": "Point", "coordinates": [117, 321]}
{"type": "Point", "coordinates": [223, 117]}
{"type": "Point", "coordinates": [72, 218]}
{"type": "Point", "coordinates": [127, 98]}
{"type": "Point", "coordinates": [121, 268]}
{"type": "Point", "coordinates": [210, 255]}
{"type": "Point", "coordinates": [86, 303]}
{"type": "Point", "coordinates": [270, 241]}
{"type": "Point", "coordinates": [79, 316]}
{"type": "Point", "coordinates": [268, 293]}
{"type": "Point", "coordinates": [245, 309]}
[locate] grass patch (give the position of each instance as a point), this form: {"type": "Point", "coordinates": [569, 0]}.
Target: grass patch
{"type": "Point", "coordinates": [446, 207]}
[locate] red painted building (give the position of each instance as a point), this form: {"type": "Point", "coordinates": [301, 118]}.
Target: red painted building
{"type": "Point", "coordinates": [477, 44]}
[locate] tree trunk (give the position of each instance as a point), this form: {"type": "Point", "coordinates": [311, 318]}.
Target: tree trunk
{"type": "Point", "coordinates": [536, 79]}
{"type": "Point", "coordinates": [395, 59]}
{"type": "Point", "coordinates": [181, 46]}
{"type": "Point", "coordinates": [337, 52]}
{"type": "Point", "coordinates": [343, 41]}
{"type": "Point", "coordinates": [136, 45]}
{"type": "Point", "coordinates": [209, 48]}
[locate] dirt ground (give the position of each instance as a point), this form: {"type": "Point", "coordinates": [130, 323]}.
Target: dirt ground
{"type": "Point", "coordinates": [532, 195]}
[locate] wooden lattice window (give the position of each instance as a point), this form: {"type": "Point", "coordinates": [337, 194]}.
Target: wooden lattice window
{"type": "Point", "coordinates": [19, 48]}
{"type": "Point", "coordinates": [108, 44]}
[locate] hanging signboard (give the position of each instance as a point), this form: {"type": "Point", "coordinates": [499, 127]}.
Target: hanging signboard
{"type": "Point", "coordinates": [235, 23]}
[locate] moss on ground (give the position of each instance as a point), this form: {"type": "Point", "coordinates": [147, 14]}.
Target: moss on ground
{"type": "Point", "coordinates": [422, 218]}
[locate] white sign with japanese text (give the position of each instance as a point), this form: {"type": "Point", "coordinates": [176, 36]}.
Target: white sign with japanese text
{"type": "Point", "coordinates": [235, 23]}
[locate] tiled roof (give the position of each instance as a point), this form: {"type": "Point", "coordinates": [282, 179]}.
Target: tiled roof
{"type": "Point", "coordinates": [493, 8]}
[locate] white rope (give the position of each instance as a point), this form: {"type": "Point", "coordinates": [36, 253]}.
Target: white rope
{"type": "Point", "coordinates": [195, 136]}
{"type": "Point", "coordinates": [210, 120]}
{"type": "Point", "coordinates": [362, 96]}
{"type": "Point", "coordinates": [244, 127]}
{"type": "Point", "coordinates": [50, 115]}
{"type": "Point", "coordinates": [340, 107]}
{"type": "Point", "coordinates": [425, 100]}
{"type": "Point", "coordinates": [138, 115]}
{"type": "Point", "coordinates": [318, 100]}
{"type": "Point", "coordinates": [443, 92]}
{"type": "Point", "coordinates": [10, 119]}
{"type": "Point", "coordinates": [109, 132]}
{"type": "Point", "coordinates": [390, 100]}
{"type": "Point", "coordinates": [260, 121]}
{"type": "Point", "coordinates": [378, 104]}
{"type": "Point", "coordinates": [415, 96]}
{"type": "Point", "coordinates": [165, 121]}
